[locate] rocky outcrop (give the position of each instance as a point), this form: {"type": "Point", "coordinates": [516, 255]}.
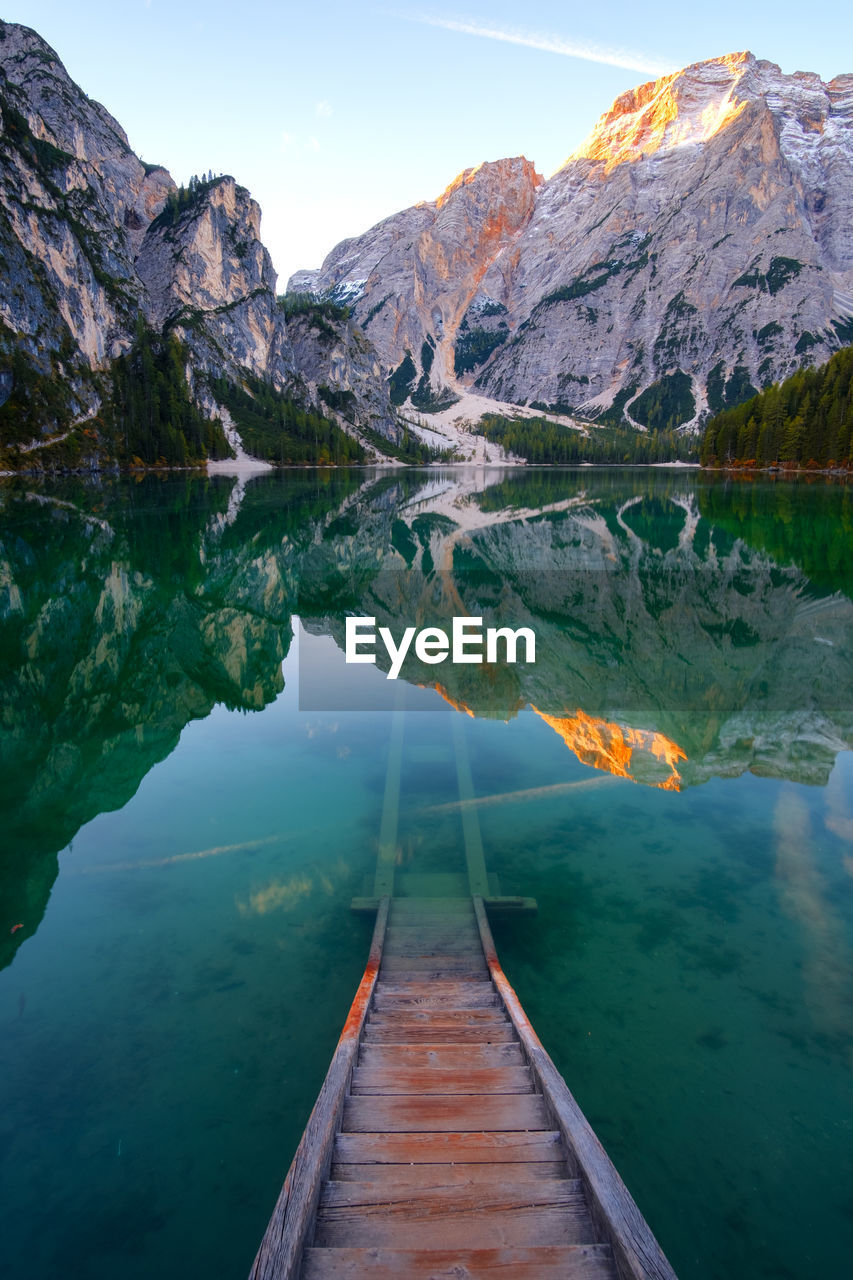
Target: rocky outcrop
{"type": "Point", "coordinates": [696, 246]}
{"type": "Point", "coordinates": [343, 372]}
{"type": "Point", "coordinates": [413, 280]}
{"type": "Point", "coordinates": [74, 203]}
{"type": "Point", "coordinates": [209, 278]}
{"type": "Point", "coordinates": [92, 240]}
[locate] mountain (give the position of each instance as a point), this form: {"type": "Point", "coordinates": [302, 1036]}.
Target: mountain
{"type": "Point", "coordinates": [96, 247]}
{"type": "Point", "coordinates": [698, 246]}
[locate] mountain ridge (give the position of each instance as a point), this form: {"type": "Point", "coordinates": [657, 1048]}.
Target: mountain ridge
{"type": "Point", "coordinates": [704, 227]}
{"type": "Point", "coordinates": [95, 244]}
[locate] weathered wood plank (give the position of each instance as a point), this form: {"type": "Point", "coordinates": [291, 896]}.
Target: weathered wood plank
{"type": "Point", "coordinates": [278, 1257]}
{"type": "Point", "coordinates": [444, 1175]}
{"type": "Point", "coordinates": [446, 961]}
{"type": "Point", "coordinates": [501, 1033]}
{"type": "Point", "coordinates": [403, 1113]}
{"type": "Point", "coordinates": [438, 1018]}
{"type": "Point", "coordinates": [537, 1262]}
{"type": "Point", "coordinates": [464, 1197]}
{"type": "Point", "coordinates": [637, 1254]}
{"type": "Point", "coordinates": [398, 1001]}
{"type": "Point", "coordinates": [448, 989]}
{"type": "Point", "coordinates": [468, 1056]}
{"type": "Point", "coordinates": [438, 907]}
{"type": "Point", "coordinates": [457, 926]}
{"type": "Point", "coordinates": [401, 968]}
{"type": "Point", "coordinates": [460, 1217]}
{"type": "Point", "coordinates": [426, 1080]}
{"type": "Point", "coordinates": [435, 947]}
{"type": "Point", "coordinates": [441, 1148]}
{"type": "Point", "coordinates": [453, 930]}
{"type": "Point", "coordinates": [455, 987]}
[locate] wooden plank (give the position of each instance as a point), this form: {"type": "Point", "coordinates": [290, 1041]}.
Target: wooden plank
{"type": "Point", "coordinates": [437, 1018]}
{"type": "Point", "coordinates": [462, 906]}
{"type": "Point", "coordinates": [425, 1080]}
{"type": "Point", "coordinates": [402, 1000]}
{"type": "Point", "coordinates": [413, 925]}
{"type": "Point", "coordinates": [429, 884]}
{"type": "Point", "coordinates": [512, 905]}
{"type": "Point", "coordinates": [278, 1257]}
{"type": "Point", "coordinates": [470, 1056]}
{"type": "Point", "coordinates": [439, 1148]}
{"type": "Point", "coordinates": [419, 943]}
{"type": "Point", "coordinates": [444, 1175]}
{"type": "Point", "coordinates": [442, 966]}
{"type": "Point", "coordinates": [432, 949]}
{"type": "Point", "coordinates": [473, 1217]}
{"type": "Point", "coordinates": [637, 1254]}
{"type": "Point", "coordinates": [434, 1114]}
{"type": "Point", "coordinates": [458, 935]}
{"type": "Point", "coordinates": [538, 1262]}
{"type": "Point", "coordinates": [448, 989]}
{"type": "Point", "coordinates": [503, 1033]}
{"type": "Point", "coordinates": [463, 1197]}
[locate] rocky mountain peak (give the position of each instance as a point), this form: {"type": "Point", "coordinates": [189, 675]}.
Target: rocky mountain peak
{"type": "Point", "coordinates": [482, 179]}
{"type": "Point", "coordinates": [96, 246]}
{"type": "Point", "coordinates": [683, 109]}
{"type": "Point", "coordinates": [697, 247]}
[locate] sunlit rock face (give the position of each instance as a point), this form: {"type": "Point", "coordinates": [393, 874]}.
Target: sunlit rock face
{"type": "Point", "coordinates": [414, 278]}
{"type": "Point", "coordinates": [703, 229]}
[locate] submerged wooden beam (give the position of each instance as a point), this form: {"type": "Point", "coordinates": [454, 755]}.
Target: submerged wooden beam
{"type": "Point", "coordinates": [387, 859]}
{"type": "Point", "coordinates": [280, 1254]}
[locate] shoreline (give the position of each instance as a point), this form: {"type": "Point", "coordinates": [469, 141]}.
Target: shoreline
{"type": "Point", "coordinates": [247, 468]}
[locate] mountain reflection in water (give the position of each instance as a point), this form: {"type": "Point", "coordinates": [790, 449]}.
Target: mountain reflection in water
{"type": "Point", "coordinates": [686, 628]}
{"type": "Point", "coordinates": [166, 1031]}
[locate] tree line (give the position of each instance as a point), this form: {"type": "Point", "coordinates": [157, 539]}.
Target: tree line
{"type": "Point", "coordinates": [807, 420]}
{"type": "Point", "coordinates": [541, 441]}
{"type": "Point", "coordinates": [151, 411]}
{"type": "Point", "coordinates": [276, 428]}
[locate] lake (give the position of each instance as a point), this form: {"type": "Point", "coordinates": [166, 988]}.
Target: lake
{"type": "Point", "coordinates": [192, 789]}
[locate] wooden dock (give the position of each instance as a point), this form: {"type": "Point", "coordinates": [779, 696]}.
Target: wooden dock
{"type": "Point", "coordinates": [444, 1144]}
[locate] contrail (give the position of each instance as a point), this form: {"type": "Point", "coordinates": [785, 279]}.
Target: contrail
{"type": "Point", "coordinates": [548, 43]}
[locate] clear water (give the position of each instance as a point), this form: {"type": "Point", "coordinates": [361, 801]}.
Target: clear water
{"type": "Point", "coordinates": [672, 781]}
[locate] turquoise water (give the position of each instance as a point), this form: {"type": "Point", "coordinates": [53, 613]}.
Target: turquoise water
{"type": "Point", "coordinates": [672, 781]}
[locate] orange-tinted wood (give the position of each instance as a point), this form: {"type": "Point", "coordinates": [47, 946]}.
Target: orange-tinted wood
{"type": "Point", "coordinates": [540, 1262]}
{"type": "Point", "coordinates": [428, 1113]}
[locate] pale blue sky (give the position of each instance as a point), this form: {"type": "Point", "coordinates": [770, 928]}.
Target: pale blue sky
{"type": "Point", "coordinates": [335, 115]}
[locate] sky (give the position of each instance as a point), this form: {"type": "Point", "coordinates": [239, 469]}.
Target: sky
{"type": "Point", "coordinates": [336, 115]}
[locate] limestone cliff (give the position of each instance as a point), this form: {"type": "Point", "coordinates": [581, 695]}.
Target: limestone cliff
{"type": "Point", "coordinates": [414, 278]}
{"type": "Point", "coordinates": [93, 242]}
{"type": "Point", "coordinates": [696, 246]}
